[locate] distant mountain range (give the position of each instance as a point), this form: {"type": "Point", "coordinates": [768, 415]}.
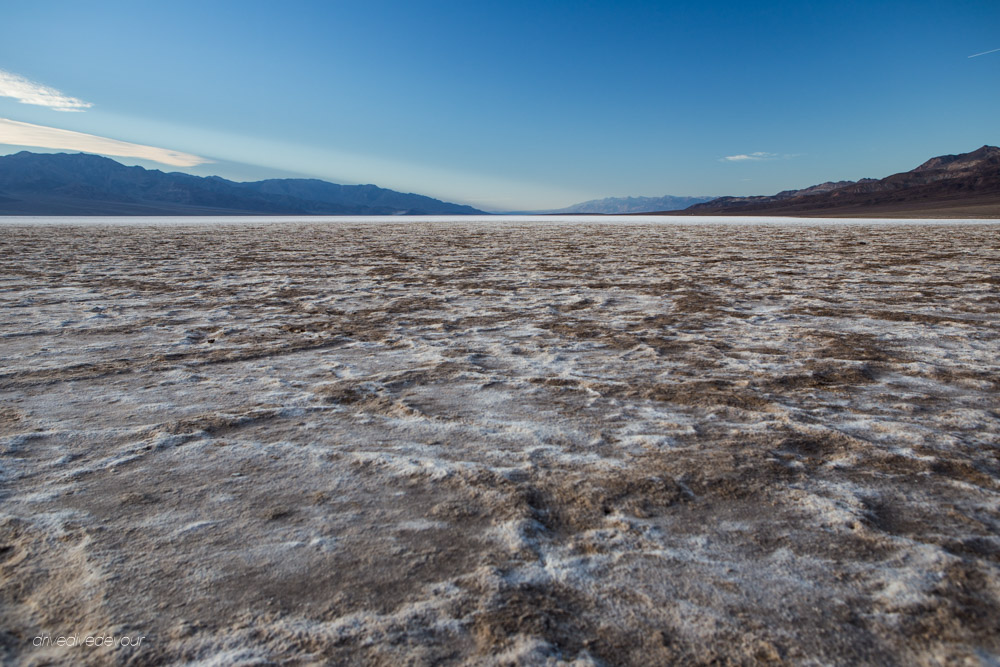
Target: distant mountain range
{"type": "Point", "coordinates": [964, 185]}
{"type": "Point", "coordinates": [82, 184]}
{"type": "Point", "coordinates": [622, 205]}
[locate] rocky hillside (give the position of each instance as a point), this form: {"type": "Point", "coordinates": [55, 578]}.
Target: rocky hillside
{"type": "Point", "coordinates": [967, 184]}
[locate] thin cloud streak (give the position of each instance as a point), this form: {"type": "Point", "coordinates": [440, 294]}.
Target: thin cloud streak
{"type": "Point", "coordinates": [17, 133]}
{"type": "Point", "coordinates": [26, 91]}
{"type": "Point", "coordinates": [752, 157]}
{"type": "Point", "coordinates": [976, 55]}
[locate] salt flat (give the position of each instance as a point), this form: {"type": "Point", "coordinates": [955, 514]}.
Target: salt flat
{"type": "Point", "coordinates": [501, 441]}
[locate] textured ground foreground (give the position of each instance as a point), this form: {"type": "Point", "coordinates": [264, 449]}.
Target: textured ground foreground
{"type": "Point", "coordinates": [471, 443]}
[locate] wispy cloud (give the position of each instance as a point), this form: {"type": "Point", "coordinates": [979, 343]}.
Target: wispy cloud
{"type": "Point", "coordinates": [976, 55]}
{"type": "Point", "coordinates": [26, 91]}
{"type": "Point", "coordinates": [17, 133]}
{"type": "Point", "coordinates": [751, 157]}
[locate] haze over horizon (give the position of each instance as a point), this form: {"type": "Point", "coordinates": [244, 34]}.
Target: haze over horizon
{"type": "Point", "coordinates": [509, 106]}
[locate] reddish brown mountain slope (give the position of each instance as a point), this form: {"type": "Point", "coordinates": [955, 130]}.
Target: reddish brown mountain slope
{"type": "Point", "coordinates": [966, 185]}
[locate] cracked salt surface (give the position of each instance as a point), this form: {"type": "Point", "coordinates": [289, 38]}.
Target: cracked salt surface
{"type": "Point", "coordinates": [495, 441]}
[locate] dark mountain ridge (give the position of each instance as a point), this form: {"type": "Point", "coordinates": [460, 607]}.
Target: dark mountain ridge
{"type": "Point", "coordinates": [956, 185]}
{"type": "Point", "coordinates": [83, 184]}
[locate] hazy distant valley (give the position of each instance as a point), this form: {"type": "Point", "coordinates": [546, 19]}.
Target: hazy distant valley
{"type": "Point", "coordinates": [626, 205]}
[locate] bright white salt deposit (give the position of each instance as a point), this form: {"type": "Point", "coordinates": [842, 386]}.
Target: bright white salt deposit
{"type": "Point", "coordinates": [603, 440]}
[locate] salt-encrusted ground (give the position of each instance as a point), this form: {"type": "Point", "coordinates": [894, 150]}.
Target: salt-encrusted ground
{"type": "Point", "coordinates": [494, 442]}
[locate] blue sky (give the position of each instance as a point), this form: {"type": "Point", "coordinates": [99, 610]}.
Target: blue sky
{"type": "Point", "coordinates": [513, 105]}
